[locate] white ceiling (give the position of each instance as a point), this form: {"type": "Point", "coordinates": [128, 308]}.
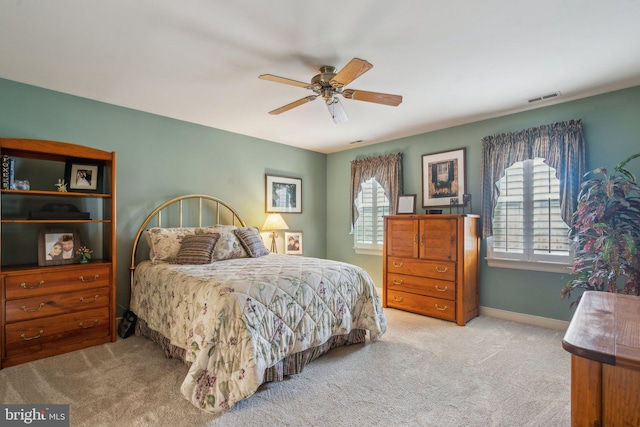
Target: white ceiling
{"type": "Point", "coordinates": [453, 61]}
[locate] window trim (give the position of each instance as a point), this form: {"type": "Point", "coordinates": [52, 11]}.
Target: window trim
{"type": "Point", "coordinates": [365, 251]}
{"type": "Point", "coordinates": [493, 260]}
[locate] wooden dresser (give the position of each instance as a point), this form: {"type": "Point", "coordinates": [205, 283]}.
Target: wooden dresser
{"type": "Point", "coordinates": [51, 306]}
{"type": "Point", "coordinates": [431, 265]}
{"type": "Point", "coordinates": [604, 341]}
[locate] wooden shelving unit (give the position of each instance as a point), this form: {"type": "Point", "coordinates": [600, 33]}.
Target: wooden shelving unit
{"type": "Point", "coordinates": [54, 309]}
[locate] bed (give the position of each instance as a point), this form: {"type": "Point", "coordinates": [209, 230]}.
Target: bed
{"type": "Point", "coordinates": [204, 287]}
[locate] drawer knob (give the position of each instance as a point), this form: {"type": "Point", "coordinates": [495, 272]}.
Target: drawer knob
{"type": "Point", "coordinates": [442, 271]}
{"type": "Point", "coordinates": [31, 310]}
{"type": "Point", "coordinates": [82, 325]}
{"type": "Point", "coordinates": [25, 286]}
{"type": "Point", "coordinates": [441, 290]}
{"type": "Point", "coordinates": [82, 279]}
{"type": "Point", "coordinates": [398, 264]}
{"type": "Point", "coordinates": [397, 282]}
{"type": "Point", "coordinates": [89, 301]}
{"type": "Point", "coordinates": [441, 308]}
{"type": "Point", "coordinates": [34, 337]}
{"type": "Point", "coordinates": [399, 299]}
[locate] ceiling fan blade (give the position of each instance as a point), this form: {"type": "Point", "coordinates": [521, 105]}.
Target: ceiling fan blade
{"type": "Point", "coordinates": [378, 98]}
{"type": "Point", "coordinates": [336, 110]}
{"type": "Point", "coordinates": [354, 69]}
{"type": "Point", "coordinates": [294, 104]}
{"type": "Point", "coordinates": [284, 80]}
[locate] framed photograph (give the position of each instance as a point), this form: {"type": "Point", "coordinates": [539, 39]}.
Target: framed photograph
{"type": "Point", "coordinates": [406, 204]}
{"type": "Point", "coordinates": [293, 242]}
{"type": "Point", "coordinates": [443, 178]}
{"type": "Point", "coordinates": [58, 246]}
{"type": "Point", "coordinates": [83, 176]}
{"type": "Point", "coordinates": [283, 194]}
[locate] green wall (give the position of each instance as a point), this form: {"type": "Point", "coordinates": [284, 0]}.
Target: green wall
{"type": "Point", "coordinates": [612, 133]}
{"type": "Point", "coordinates": [159, 158]}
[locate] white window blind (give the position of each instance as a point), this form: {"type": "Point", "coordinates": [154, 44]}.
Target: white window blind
{"type": "Point", "coordinates": [527, 224]}
{"type": "Point", "coordinates": [372, 205]}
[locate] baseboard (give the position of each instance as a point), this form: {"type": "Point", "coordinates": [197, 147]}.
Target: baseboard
{"type": "Point", "coordinates": [529, 319]}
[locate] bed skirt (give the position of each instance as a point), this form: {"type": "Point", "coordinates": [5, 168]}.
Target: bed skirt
{"type": "Point", "coordinates": [290, 365]}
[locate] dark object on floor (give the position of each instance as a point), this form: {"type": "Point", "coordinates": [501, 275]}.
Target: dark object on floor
{"type": "Point", "coordinates": [127, 324]}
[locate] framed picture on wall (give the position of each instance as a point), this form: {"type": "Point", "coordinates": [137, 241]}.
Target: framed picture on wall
{"type": "Point", "coordinates": [283, 194]}
{"type": "Point", "coordinates": [443, 178]}
{"type": "Point", "coordinates": [58, 246]}
{"type": "Point", "coordinates": [293, 242]}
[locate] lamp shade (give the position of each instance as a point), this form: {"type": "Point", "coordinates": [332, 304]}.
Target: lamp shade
{"type": "Point", "coordinates": [274, 222]}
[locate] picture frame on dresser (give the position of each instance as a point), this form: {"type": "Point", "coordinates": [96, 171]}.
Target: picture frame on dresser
{"type": "Point", "coordinates": [443, 179]}
{"type": "Point", "coordinates": [293, 242]}
{"type": "Point", "coordinates": [57, 246]}
{"type": "Point", "coordinates": [406, 204]}
{"type": "Point", "coordinates": [83, 176]}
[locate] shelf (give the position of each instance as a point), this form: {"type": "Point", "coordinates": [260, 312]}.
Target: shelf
{"type": "Point", "coordinates": [8, 269]}
{"type": "Point", "coordinates": [24, 271]}
{"type": "Point", "coordinates": [55, 193]}
{"type": "Point", "coordinates": [54, 221]}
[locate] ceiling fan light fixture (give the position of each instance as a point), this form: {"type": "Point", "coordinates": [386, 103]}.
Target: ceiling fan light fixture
{"type": "Point", "coordinates": [328, 84]}
{"type": "Point", "coordinates": [336, 110]}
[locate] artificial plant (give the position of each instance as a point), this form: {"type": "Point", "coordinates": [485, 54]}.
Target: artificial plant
{"type": "Point", "coordinates": [606, 232]}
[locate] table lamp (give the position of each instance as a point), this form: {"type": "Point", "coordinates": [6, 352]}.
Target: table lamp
{"type": "Point", "coordinates": [274, 223]}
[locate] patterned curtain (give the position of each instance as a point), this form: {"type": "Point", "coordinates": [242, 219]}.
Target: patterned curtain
{"type": "Point", "coordinates": [387, 170]}
{"type": "Point", "coordinates": [561, 144]}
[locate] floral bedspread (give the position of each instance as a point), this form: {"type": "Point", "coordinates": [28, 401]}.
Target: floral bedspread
{"type": "Point", "coordinates": [238, 317]}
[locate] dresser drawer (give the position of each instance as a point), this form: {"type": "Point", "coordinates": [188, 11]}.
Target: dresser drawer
{"type": "Point", "coordinates": [41, 334]}
{"type": "Point", "coordinates": [435, 307]}
{"type": "Point", "coordinates": [441, 270]}
{"type": "Point", "coordinates": [422, 286]}
{"type": "Point", "coordinates": [61, 280]}
{"type": "Point", "coordinates": [49, 305]}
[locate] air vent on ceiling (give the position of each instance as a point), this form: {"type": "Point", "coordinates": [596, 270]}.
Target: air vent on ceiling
{"type": "Point", "coordinates": [545, 97]}
{"type": "Point", "coordinates": [360, 141]}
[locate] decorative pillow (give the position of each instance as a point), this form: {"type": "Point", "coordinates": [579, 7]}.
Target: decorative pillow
{"type": "Point", "coordinates": [228, 246]}
{"type": "Point", "coordinates": [164, 243]}
{"type": "Point", "coordinates": [196, 249]}
{"type": "Point", "coordinates": [252, 241]}
{"type": "Point", "coordinates": [147, 237]}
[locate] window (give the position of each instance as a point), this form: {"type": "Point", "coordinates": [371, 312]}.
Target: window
{"type": "Point", "coordinates": [527, 223]}
{"type": "Point", "coordinates": [372, 205]}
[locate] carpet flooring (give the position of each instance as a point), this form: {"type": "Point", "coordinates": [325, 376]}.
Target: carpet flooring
{"type": "Point", "coordinates": [422, 372]}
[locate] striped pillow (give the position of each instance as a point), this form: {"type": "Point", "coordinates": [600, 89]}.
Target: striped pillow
{"type": "Point", "coordinates": [252, 241]}
{"type": "Point", "coordinates": [196, 249]}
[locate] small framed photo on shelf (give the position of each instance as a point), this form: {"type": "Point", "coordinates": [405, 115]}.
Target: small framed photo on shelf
{"type": "Point", "coordinates": [58, 246]}
{"type": "Point", "coordinates": [283, 194]}
{"type": "Point", "coordinates": [443, 178]}
{"type": "Point", "coordinates": [293, 242]}
{"type": "Point", "coordinates": [406, 204]}
{"type": "Point", "coordinates": [83, 176]}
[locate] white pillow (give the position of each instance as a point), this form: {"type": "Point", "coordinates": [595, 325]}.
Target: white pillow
{"type": "Point", "coordinates": [164, 243]}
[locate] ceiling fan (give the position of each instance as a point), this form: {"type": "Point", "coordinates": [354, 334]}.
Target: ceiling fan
{"type": "Point", "coordinates": [328, 84]}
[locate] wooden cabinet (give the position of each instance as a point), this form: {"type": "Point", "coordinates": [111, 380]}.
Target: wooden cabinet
{"type": "Point", "coordinates": [56, 307]}
{"type": "Point", "coordinates": [431, 265]}
{"type": "Point", "coordinates": [604, 341]}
